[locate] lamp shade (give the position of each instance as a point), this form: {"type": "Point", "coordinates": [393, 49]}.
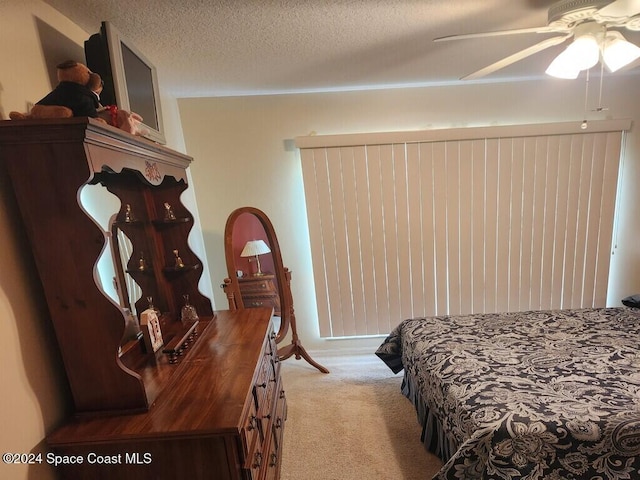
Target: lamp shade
{"type": "Point", "coordinates": [255, 247]}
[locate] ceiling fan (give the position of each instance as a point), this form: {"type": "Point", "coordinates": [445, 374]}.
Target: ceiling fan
{"type": "Point", "coordinates": [593, 25]}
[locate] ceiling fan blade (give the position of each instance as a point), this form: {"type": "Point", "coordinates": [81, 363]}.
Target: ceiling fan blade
{"type": "Point", "coordinates": [620, 8]}
{"type": "Point", "coordinates": [497, 33]}
{"type": "Point", "coordinates": [538, 47]}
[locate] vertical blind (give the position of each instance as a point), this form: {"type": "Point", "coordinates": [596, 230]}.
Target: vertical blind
{"type": "Point", "coordinates": [494, 220]}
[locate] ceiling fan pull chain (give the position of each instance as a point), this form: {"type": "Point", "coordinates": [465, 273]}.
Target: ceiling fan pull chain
{"type": "Point", "coordinates": [600, 107]}
{"type": "Point", "coordinates": [584, 125]}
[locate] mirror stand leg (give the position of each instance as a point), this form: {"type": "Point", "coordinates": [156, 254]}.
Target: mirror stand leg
{"type": "Point", "coordinates": [298, 350]}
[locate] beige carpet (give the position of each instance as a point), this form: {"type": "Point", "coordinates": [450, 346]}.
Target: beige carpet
{"type": "Point", "coordinates": [353, 423]}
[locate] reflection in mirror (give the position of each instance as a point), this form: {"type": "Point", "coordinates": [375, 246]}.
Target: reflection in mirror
{"type": "Point", "coordinates": [261, 280]}
{"type": "Point", "coordinates": [246, 228]}
{"type": "Point", "coordinates": [101, 205]}
{"type": "Point", "coordinates": [123, 250]}
{"type": "Point", "coordinates": [261, 291]}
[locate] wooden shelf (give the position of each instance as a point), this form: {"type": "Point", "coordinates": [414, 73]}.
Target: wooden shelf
{"type": "Point", "coordinates": [176, 221]}
{"type": "Point", "coordinates": [186, 268]}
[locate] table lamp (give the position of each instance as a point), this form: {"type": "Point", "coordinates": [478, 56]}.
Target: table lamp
{"type": "Point", "coordinates": [255, 248]}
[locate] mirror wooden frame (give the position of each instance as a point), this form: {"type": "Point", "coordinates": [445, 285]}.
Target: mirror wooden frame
{"type": "Point", "coordinates": [282, 275]}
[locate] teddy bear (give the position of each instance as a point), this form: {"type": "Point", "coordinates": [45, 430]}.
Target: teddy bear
{"type": "Point", "coordinates": [72, 97]}
{"type": "Point", "coordinates": [78, 95]}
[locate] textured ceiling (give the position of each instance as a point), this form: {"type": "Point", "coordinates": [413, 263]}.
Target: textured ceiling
{"type": "Point", "coordinates": [244, 47]}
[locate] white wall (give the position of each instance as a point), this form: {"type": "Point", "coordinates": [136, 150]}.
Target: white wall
{"type": "Point", "coordinates": [34, 397]}
{"type": "Point", "coordinates": [175, 140]}
{"type": "Point", "coordinates": [244, 156]}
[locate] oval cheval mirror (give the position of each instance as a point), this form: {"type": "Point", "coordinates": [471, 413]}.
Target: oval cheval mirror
{"type": "Point", "coordinates": [258, 278]}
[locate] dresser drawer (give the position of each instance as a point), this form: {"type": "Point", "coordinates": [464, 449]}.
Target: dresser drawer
{"type": "Point", "coordinates": [264, 421]}
{"type": "Point", "coordinates": [252, 438]}
{"type": "Point", "coordinates": [255, 301]}
{"type": "Point", "coordinates": [258, 424]}
{"type": "Point", "coordinates": [257, 285]}
{"type": "Point", "coordinates": [277, 434]}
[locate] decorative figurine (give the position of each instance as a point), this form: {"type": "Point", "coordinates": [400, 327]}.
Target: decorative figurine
{"type": "Point", "coordinates": [131, 326]}
{"type": "Point", "coordinates": [168, 214]}
{"type": "Point", "coordinates": [152, 307]}
{"type": "Point", "coordinates": [142, 266]}
{"type": "Point", "coordinates": [188, 313]}
{"type": "Point", "coordinates": [179, 263]}
{"type": "Point", "coordinates": [128, 216]}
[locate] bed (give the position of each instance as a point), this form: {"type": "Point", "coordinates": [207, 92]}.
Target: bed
{"type": "Point", "coordinates": [531, 395]}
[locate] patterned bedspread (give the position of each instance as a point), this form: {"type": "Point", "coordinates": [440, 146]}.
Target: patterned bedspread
{"type": "Point", "coordinates": [536, 395]}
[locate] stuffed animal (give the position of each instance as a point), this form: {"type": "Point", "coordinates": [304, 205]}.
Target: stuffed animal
{"type": "Point", "coordinates": [72, 97]}
{"type": "Point", "coordinates": [78, 95]}
{"type": "Point", "coordinates": [43, 111]}
{"type": "Point", "coordinates": [128, 121]}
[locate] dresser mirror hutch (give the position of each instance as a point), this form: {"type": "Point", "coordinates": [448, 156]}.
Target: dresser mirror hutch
{"type": "Point", "coordinates": [108, 231]}
{"type": "Point", "coordinates": [261, 280]}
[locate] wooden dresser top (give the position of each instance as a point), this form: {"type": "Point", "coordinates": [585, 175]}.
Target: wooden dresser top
{"type": "Point", "coordinates": [208, 396]}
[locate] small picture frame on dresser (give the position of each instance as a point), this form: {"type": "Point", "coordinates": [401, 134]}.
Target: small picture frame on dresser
{"type": "Point", "coordinates": [151, 333]}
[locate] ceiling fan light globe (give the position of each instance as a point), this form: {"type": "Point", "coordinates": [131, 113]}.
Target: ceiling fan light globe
{"type": "Point", "coordinates": [563, 73]}
{"type": "Point", "coordinates": [583, 53]}
{"type": "Point", "coordinates": [561, 67]}
{"type": "Point", "coordinates": [618, 52]}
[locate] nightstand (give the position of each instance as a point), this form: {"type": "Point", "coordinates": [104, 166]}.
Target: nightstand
{"type": "Point", "coordinates": [260, 291]}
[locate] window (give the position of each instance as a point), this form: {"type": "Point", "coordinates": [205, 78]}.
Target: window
{"type": "Point", "coordinates": [459, 221]}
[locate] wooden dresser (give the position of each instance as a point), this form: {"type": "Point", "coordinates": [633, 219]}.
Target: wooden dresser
{"type": "Point", "coordinates": [209, 403]}
{"type": "Point", "coordinates": [222, 418]}
{"type": "Point", "coordinates": [259, 291]}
